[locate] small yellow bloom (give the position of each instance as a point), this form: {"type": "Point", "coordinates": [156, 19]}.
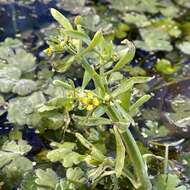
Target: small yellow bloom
{"type": "Point", "coordinates": [89, 94]}
{"type": "Point", "coordinates": [84, 100]}
{"type": "Point", "coordinates": [89, 107]}
{"type": "Point", "coordinates": [49, 51]}
{"type": "Point", "coordinates": [96, 102]}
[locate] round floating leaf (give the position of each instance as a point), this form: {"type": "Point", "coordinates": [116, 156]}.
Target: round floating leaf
{"type": "Point", "coordinates": [24, 87]}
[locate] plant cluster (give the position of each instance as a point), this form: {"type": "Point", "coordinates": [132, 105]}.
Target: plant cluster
{"type": "Point", "coordinates": [70, 120]}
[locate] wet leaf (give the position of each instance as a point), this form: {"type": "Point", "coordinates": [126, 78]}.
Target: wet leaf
{"type": "Point", "coordinates": [46, 178]}
{"type": "Point", "coordinates": [185, 47]}
{"type": "Point", "coordinates": [65, 154]}
{"type": "Point", "coordinates": [24, 87]}
{"type": "Point", "coordinates": [21, 110]}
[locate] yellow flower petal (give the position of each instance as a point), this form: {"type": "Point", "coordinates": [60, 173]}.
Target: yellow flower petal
{"type": "Point", "coordinates": [89, 94]}
{"type": "Point", "coordinates": [84, 100]}
{"type": "Point", "coordinates": [89, 107]}
{"type": "Point", "coordinates": [96, 102]}
{"type": "Point", "coordinates": [49, 51]}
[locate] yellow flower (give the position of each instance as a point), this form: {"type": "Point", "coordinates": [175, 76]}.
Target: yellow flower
{"type": "Point", "coordinates": [89, 94]}
{"type": "Point", "coordinates": [89, 107]}
{"type": "Point", "coordinates": [84, 100]}
{"type": "Point", "coordinates": [96, 102]}
{"type": "Point", "coordinates": [49, 51]}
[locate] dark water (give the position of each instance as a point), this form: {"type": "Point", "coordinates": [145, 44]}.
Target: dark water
{"type": "Point", "coordinates": [17, 17]}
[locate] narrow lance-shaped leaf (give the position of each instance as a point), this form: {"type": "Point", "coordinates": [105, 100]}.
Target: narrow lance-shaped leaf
{"type": "Point", "coordinates": [92, 121]}
{"type": "Point", "coordinates": [95, 76]}
{"type": "Point", "coordinates": [94, 151]}
{"type": "Point", "coordinates": [125, 85]}
{"type": "Point", "coordinates": [120, 153]}
{"type": "Point", "coordinates": [61, 19]}
{"type": "Point", "coordinates": [63, 84]}
{"type": "Point", "coordinates": [128, 84]}
{"type": "Point", "coordinates": [127, 55]}
{"type": "Point", "coordinates": [78, 35]}
{"type": "Point", "coordinates": [98, 37]}
{"type": "Point", "coordinates": [86, 79]}
{"type": "Point", "coordinates": [134, 108]}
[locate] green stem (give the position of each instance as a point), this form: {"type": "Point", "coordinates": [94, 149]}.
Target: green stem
{"type": "Point", "coordinates": [143, 182]}
{"type": "Point", "coordinates": [136, 160]}
{"type": "Point", "coordinates": [166, 160]}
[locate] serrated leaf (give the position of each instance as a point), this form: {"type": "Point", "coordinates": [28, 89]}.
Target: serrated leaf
{"type": "Point", "coordinates": [28, 182]}
{"type": "Point", "coordinates": [46, 178]}
{"type": "Point", "coordinates": [10, 73]}
{"type": "Point", "coordinates": [185, 47]}
{"type": "Point", "coordinates": [65, 155]}
{"type": "Point", "coordinates": [6, 85]}
{"type": "Point", "coordinates": [75, 175]}
{"type": "Point", "coordinates": [21, 110]}
{"type": "Point", "coordinates": [22, 60]}
{"type": "Point", "coordinates": [24, 87]}
{"type": "Point", "coordinates": [21, 147]}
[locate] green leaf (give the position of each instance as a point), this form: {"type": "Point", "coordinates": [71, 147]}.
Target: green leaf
{"type": "Point", "coordinates": [22, 60]}
{"type": "Point", "coordinates": [65, 154]}
{"type": "Point", "coordinates": [95, 153]}
{"type": "Point", "coordinates": [28, 182]}
{"type": "Point", "coordinates": [168, 182]}
{"type": "Point", "coordinates": [164, 66]}
{"type": "Point", "coordinates": [120, 153]}
{"type": "Point", "coordinates": [135, 107]}
{"type": "Point", "coordinates": [61, 19]}
{"type": "Point", "coordinates": [10, 72]}
{"type": "Point", "coordinates": [6, 85]}
{"type": "Point", "coordinates": [91, 121]}
{"type": "Point", "coordinates": [139, 20]}
{"type": "Point", "coordinates": [127, 84]}
{"type": "Point", "coordinates": [75, 175]}
{"type": "Point", "coordinates": [21, 147]}
{"type": "Point", "coordinates": [152, 42]}
{"type": "Point", "coordinates": [95, 76]}
{"type": "Point", "coordinates": [24, 87]}
{"type": "Point", "coordinates": [46, 178]}
{"type": "Point", "coordinates": [126, 56]}
{"type": "Point", "coordinates": [86, 79]}
{"type": "Point", "coordinates": [97, 39]}
{"type": "Point", "coordinates": [22, 110]}
{"type": "Point", "coordinates": [63, 84]}
{"type": "Point", "coordinates": [185, 47]}
{"type": "Point", "coordinates": [11, 157]}
{"type": "Point", "coordinates": [78, 35]}
{"type": "Point", "coordinates": [63, 65]}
